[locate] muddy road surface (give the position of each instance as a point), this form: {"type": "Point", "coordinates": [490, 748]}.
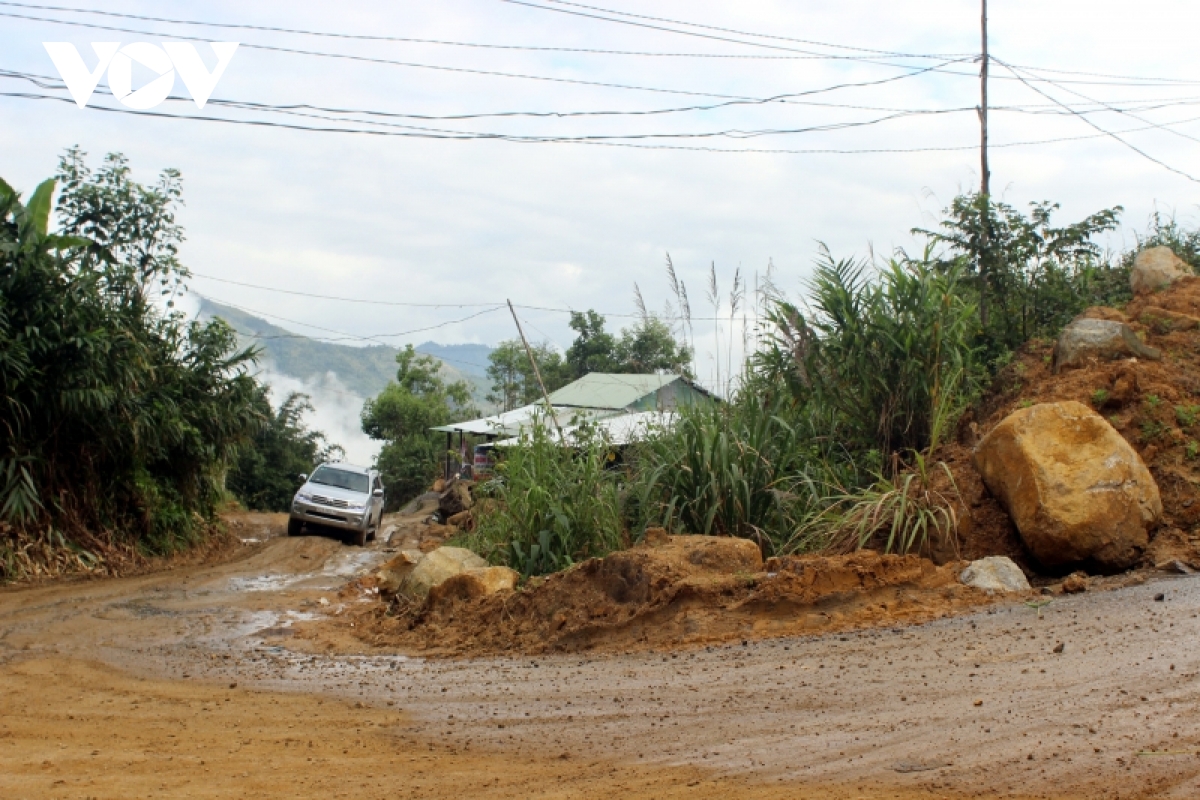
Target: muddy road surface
{"type": "Point", "coordinates": [191, 683]}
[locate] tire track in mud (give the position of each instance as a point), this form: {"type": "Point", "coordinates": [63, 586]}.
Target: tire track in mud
{"type": "Point", "coordinates": [974, 705]}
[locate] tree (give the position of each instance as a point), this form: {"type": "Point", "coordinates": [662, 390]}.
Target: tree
{"type": "Point", "coordinates": [594, 349]}
{"type": "Point", "coordinates": [647, 347]}
{"type": "Point", "coordinates": [401, 416]}
{"type": "Point", "coordinates": [1038, 276]}
{"type": "Point", "coordinates": [513, 381]}
{"type": "Point", "coordinates": [265, 474]}
{"type": "Point", "coordinates": [650, 346]}
{"type": "Point", "coordinates": [116, 420]}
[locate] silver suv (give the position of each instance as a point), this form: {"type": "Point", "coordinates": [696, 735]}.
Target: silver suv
{"type": "Point", "coordinates": [340, 496]}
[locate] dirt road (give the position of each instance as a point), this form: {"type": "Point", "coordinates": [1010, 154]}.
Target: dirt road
{"type": "Point", "coordinates": [190, 684]}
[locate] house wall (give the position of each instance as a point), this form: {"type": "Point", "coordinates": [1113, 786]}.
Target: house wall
{"type": "Point", "coordinates": [675, 394]}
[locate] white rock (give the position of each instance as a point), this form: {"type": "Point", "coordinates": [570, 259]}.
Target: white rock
{"type": "Point", "coordinates": [995, 574]}
{"type": "Point", "coordinates": [1100, 339]}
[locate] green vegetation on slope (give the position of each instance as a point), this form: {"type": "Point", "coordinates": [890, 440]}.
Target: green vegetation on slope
{"type": "Point", "coordinates": [825, 444]}
{"type": "Point", "coordinates": [117, 420]}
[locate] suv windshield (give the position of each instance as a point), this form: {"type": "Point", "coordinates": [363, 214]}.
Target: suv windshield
{"type": "Point", "coordinates": [342, 479]}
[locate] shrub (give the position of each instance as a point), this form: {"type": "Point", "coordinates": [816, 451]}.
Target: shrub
{"type": "Point", "coordinates": [882, 360]}
{"type": "Point", "coordinates": [748, 468]}
{"type": "Point", "coordinates": [115, 417]}
{"type": "Point", "coordinates": [551, 505]}
{"type": "Point", "coordinates": [903, 513]}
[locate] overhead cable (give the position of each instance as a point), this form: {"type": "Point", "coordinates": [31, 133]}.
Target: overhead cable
{"type": "Point", "coordinates": [787, 98]}
{"type": "Point", "coordinates": [412, 131]}
{"type": "Point", "coordinates": [489, 307]}
{"type": "Point", "coordinates": [722, 30]}
{"type": "Point", "coordinates": [880, 53]}
{"type": "Point", "coordinates": [411, 40]}
{"type": "Point", "coordinates": [371, 338]}
{"type": "Point", "coordinates": [912, 71]}
{"type": "Point", "coordinates": [551, 140]}
{"type": "Point", "coordinates": [1113, 108]}
{"type": "Point", "coordinates": [1148, 104]}
{"type": "Point", "coordinates": [1103, 131]}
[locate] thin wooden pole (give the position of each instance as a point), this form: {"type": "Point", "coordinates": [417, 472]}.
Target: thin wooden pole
{"type": "Point", "coordinates": [985, 176]}
{"type": "Point", "coordinates": [537, 373]}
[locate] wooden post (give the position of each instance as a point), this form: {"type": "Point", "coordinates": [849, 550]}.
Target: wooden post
{"type": "Point", "coordinates": [985, 176]}
{"type": "Point", "coordinates": [537, 374]}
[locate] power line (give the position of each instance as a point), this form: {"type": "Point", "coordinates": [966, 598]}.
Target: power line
{"type": "Point", "coordinates": [385, 61]}
{"type": "Point", "coordinates": [490, 73]}
{"type": "Point", "coordinates": [1103, 131]}
{"type": "Point", "coordinates": [941, 69]}
{"type": "Point", "coordinates": [1105, 75]}
{"type": "Point", "coordinates": [340, 299]}
{"type": "Point", "coordinates": [1117, 110]}
{"type": "Point", "coordinates": [887, 53]}
{"type": "Point", "coordinates": [550, 140]}
{"type": "Point", "coordinates": [372, 338]}
{"type": "Point", "coordinates": [715, 28]}
{"type": "Point", "coordinates": [433, 133]}
{"type": "Point", "coordinates": [488, 307]}
{"type": "Point", "coordinates": [1148, 104]}
{"type": "Point", "coordinates": [411, 40]}
{"type": "Point", "coordinates": [788, 98]}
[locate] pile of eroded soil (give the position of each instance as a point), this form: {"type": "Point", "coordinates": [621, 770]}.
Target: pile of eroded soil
{"type": "Point", "coordinates": [689, 591]}
{"type": "Point", "coordinates": [1155, 405]}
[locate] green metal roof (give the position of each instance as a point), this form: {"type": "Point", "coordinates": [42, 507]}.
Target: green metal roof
{"type": "Point", "coordinates": [606, 390]}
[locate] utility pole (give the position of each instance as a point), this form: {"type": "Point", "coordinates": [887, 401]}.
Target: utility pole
{"type": "Point", "coordinates": [537, 374]}
{"type": "Point", "coordinates": [985, 174]}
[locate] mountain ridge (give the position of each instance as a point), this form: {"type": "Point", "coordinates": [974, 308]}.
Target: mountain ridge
{"type": "Point", "coordinates": [365, 370]}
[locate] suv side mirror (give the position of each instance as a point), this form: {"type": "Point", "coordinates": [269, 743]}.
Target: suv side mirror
{"type": "Point", "coordinates": [303, 477]}
{"type": "Point", "coordinates": [377, 493]}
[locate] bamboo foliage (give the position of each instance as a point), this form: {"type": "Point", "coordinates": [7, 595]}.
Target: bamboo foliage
{"type": "Point", "coordinates": [115, 417]}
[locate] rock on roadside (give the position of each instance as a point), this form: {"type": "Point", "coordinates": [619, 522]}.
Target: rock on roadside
{"type": "Point", "coordinates": [1156, 267]}
{"type": "Point", "coordinates": [437, 567]}
{"type": "Point", "coordinates": [394, 571]}
{"type": "Point", "coordinates": [995, 574]}
{"type": "Point", "coordinates": [1102, 339]}
{"type": "Point", "coordinates": [1075, 489]}
{"type": "Point", "coordinates": [474, 583]}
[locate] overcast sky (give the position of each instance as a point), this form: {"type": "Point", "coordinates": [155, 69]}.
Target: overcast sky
{"type": "Point", "coordinates": [562, 225]}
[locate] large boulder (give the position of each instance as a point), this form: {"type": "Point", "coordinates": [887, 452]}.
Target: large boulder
{"type": "Point", "coordinates": [1075, 489]}
{"type": "Point", "coordinates": [995, 574]}
{"type": "Point", "coordinates": [1087, 338]}
{"type": "Point", "coordinates": [392, 574]}
{"type": "Point", "coordinates": [436, 567]}
{"type": "Point", "coordinates": [1156, 267]}
{"type": "Point", "coordinates": [474, 583]}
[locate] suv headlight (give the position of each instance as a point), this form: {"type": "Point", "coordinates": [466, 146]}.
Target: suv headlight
{"type": "Point", "coordinates": [303, 495]}
{"type": "Point", "coordinates": [356, 506]}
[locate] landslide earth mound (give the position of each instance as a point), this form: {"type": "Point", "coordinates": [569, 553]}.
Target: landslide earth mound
{"type": "Point", "coordinates": [688, 591]}
{"type": "Point", "coordinates": [1153, 404]}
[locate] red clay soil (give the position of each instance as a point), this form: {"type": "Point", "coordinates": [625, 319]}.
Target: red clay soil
{"type": "Point", "coordinates": [691, 591]}
{"type": "Point", "coordinates": [1155, 405]}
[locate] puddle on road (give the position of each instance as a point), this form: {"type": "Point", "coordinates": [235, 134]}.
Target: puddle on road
{"type": "Point", "coordinates": [337, 569]}
{"type": "Point", "coordinates": [264, 583]}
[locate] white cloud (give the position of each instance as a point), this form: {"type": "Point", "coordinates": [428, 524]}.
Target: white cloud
{"type": "Point", "coordinates": [335, 411]}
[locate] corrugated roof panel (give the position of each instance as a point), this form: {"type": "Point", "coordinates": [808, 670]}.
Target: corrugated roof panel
{"type": "Point", "coordinates": [510, 423]}
{"type": "Point", "coordinates": [608, 390]}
